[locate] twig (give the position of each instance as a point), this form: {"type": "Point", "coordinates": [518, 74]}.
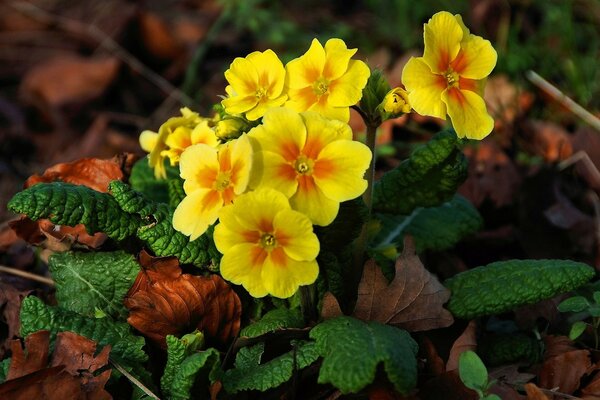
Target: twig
{"type": "Point", "coordinates": [28, 275]}
{"type": "Point", "coordinates": [134, 380]}
{"type": "Point", "coordinates": [587, 163]}
{"type": "Point", "coordinates": [104, 41]}
{"type": "Point", "coordinates": [563, 99]}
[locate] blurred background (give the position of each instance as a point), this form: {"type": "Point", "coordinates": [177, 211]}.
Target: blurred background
{"type": "Point", "coordinates": [84, 78]}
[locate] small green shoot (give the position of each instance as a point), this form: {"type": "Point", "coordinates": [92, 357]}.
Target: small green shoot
{"type": "Point", "coordinates": [474, 375]}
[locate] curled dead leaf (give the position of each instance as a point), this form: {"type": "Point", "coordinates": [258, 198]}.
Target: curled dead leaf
{"type": "Point", "coordinates": [10, 306]}
{"type": "Point", "coordinates": [565, 371]}
{"type": "Point", "coordinates": [413, 300]}
{"type": "Point", "coordinates": [534, 392]}
{"type": "Point", "coordinates": [547, 139]}
{"type": "Point", "coordinates": [163, 301]}
{"type": "Point", "coordinates": [466, 341]}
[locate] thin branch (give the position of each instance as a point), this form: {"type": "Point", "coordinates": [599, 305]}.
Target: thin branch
{"type": "Point", "coordinates": [134, 380]}
{"type": "Point", "coordinates": [104, 41]}
{"type": "Point", "coordinates": [27, 275]}
{"type": "Point", "coordinates": [563, 99]}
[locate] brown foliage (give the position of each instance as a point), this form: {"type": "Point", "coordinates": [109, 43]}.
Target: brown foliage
{"type": "Point", "coordinates": [565, 371]}
{"type": "Point", "coordinates": [10, 306]}
{"type": "Point", "coordinates": [70, 374]}
{"type": "Point", "coordinates": [466, 341]}
{"type": "Point", "coordinates": [163, 301]}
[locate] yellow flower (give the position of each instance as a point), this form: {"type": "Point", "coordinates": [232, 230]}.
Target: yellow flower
{"type": "Point", "coordinates": [256, 83]}
{"type": "Point", "coordinates": [230, 128]}
{"type": "Point", "coordinates": [450, 77]}
{"type": "Point", "coordinates": [213, 178]}
{"type": "Point", "coordinates": [310, 159]}
{"type": "Point", "coordinates": [326, 80]}
{"type": "Point", "coordinates": [396, 102]}
{"type": "Point", "coordinates": [267, 247]}
{"type": "Point", "coordinates": [173, 137]}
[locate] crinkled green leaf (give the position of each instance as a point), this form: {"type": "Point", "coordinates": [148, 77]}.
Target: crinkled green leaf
{"type": "Point", "coordinates": [177, 351]}
{"type": "Point", "coordinates": [88, 282]}
{"type": "Point", "coordinates": [176, 192]}
{"type": "Point", "coordinates": [194, 369]}
{"type": "Point", "coordinates": [427, 179]}
{"type": "Point", "coordinates": [352, 350]}
{"type": "Point", "coordinates": [143, 180]}
{"type": "Point", "coordinates": [4, 366]}
{"type": "Point", "coordinates": [432, 228]}
{"type": "Point", "coordinates": [373, 94]}
{"type": "Point", "coordinates": [68, 204]}
{"type": "Point", "coordinates": [501, 286]}
{"type": "Point", "coordinates": [272, 373]}
{"type": "Point", "coordinates": [273, 320]}
{"type": "Point", "coordinates": [126, 348]}
{"type": "Point", "coordinates": [158, 232]}
{"type": "Point", "coordinates": [250, 356]}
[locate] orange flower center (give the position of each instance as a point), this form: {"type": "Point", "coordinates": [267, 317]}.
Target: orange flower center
{"type": "Point", "coordinates": [223, 181]}
{"type": "Point", "coordinates": [452, 77]}
{"type": "Point", "coordinates": [304, 165]}
{"type": "Point", "coordinates": [320, 86]}
{"type": "Point", "coordinates": [268, 241]}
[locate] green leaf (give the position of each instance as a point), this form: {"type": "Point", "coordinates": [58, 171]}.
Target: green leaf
{"type": "Point", "coordinates": [158, 232]}
{"type": "Point", "coordinates": [67, 204]}
{"type": "Point", "coordinates": [374, 93]}
{"type": "Point", "coordinates": [574, 304]}
{"type": "Point", "coordinates": [176, 192]}
{"type": "Point", "coordinates": [143, 180]}
{"type": "Point", "coordinates": [4, 366]}
{"type": "Point", "coordinates": [596, 297]}
{"type": "Point", "coordinates": [352, 350]}
{"type": "Point", "coordinates": [491, 397]}
{"type": "Point", "coordinates": [126, 348]}
{"type": "Point", "coordinates": [577, 329]}
{"type": "Point", "coordinates": [504, 285]}
{"type": "Point", "coordinates": [88, 283]}
{"type": "Point", "coordinates": [273, 320]}
{"type": "Point", "coordinates": [195, 369]}
{"type": "Point", "coordinates": [249, 357]}
{"type": "Point", "coordinates": [428, 178]}
{"type": "Point", "coordinates": [472, 371]}
{"type": "Point", "coordinates": [250, 376]}
{"type": "Point", "coordinates": [177, 351]}
{"type": "Point", "coordinates": [434, 228]}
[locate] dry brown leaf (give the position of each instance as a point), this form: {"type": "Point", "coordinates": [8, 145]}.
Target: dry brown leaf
{"type": "Point", "coordinates": [433, 362]}
{"type": "Point", "coordinates": [10, 307]}
{"type": "Point", "coordinates": [557, 345]}
{"type": "Point", "coordinates": [565, 371]}
{"type": "Point", "coordinates": [60, 81]}
{"type": "Point", "coordinates": [69, 376]}
{"type": "Point", "coordinates": [330, 308]}
{"type": "Point", "coordinates": [592, 390]}
{"type": "Point", "coordinates": [447, 386]}
{"type": "Point", "coordinates": [162, 304]}
{"type": "Point", "coordinates": [158, 37]}
{"type": "Point", "coordinates": [466, 341]}
{"type": "Point", "coordinates": [547, 139]}
{"type": "Point", "coordinates": [534, 392]}
{"type": "Point", "coordinates": [412, 301]}
{"type": "Point", "coordinates": [492, 175]}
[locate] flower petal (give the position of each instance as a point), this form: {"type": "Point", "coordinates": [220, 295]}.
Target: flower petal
{"type": "Point", "coordinates": [241, 163]}
{"type": "Point", "coordinates": [202, 133]}
{"type": "Point", "coordinates": [148, 140]}
{"type": "Point", "coordinates": [283, 132]}
{"type": "Point", "coordinates": [294, 232]}
{"type": "Point", "coordinates": [340, 168]}
{"type": "Point", "coordinates": [321, 131]}
{"type": "Point", "coordinates": [239, 104]}
{"type": "Point", "coordinates": [476, 59]}
{"type": "Point", "coordinates": [468, 113]}
{"type": "Point", "coordinates": [230, 231]}
{"type": "Point", "coordinates": [322, 107]}
{"type": "Point", "coordinates": [243, 265]}
{"type": "Point", "coordinates": [311, 201]}
{"type": "Point", "coordinates": [196, 212]}
{"type": "Point", "coordinates": [242, 76]}
{"type": "Point", "coordinates": [271, 73]}
{"type": "Point", "coordinates": [282, 276]}
{"type": "Point", "coordinates": [424, 88]}
{"type": "Point", "coordinates": [259, 209]}
{"type": "Point", "coordinates": [180, 138]}
{"type": "Point", "coordinates": [199, 166]}
{"type": "Point", "coordinates": [277, 173]}
{"type": "Point", "coordinates": [301, 99]}
{"type": "Point", "coordinates": [306, 69]}
{"type": "Point", "coordinates": [442, 35]}
{"type": "Point", "coordinates": [337, 56]}
{"type": "Point", "coordinates": [347, 90]}
{"type": "Point", "coordinates": [264, 105]}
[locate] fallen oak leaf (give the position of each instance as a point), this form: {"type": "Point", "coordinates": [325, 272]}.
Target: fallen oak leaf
{"type": "Point", "coordinates": [10, 305]}
{"type": "Point", "coordinates": [565, 371]}
{"type": "Point", "coordinates": [174, 303]}
{"type": "Point", "coordinates": [466, 341]}
{"type": "Point", "coordinates": [413, 300]}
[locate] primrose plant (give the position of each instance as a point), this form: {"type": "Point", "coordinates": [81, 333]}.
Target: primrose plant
{"type": "Point", "coordinates": [270, 205]}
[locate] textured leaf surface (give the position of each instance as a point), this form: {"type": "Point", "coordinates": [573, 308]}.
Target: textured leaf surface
{"type": "Point", "coordinates": [158, 232]}
{"type": "Point", "coordinates": [126, 347]}
{"type": "Point", "coordinates": [143, 180]}
{"type": "Point", "coordinates": [67, 204]}
{"type": "Point", "coordinates": [89, 281]}
{"type": "Point", "coordinates": [270, 374]}
{"type": "Point", "coordinates": [273, 320]}
{"type": "Point", "coordinates": [352, 350]}
{"type": "Point", "coordinates": [4, 365]}
{"type": "Point", "coordinates": [427, 179]}
{"type": "Point", "coordinates": [177, 350]}
{"type": "Point", "coordinates": [432, 228]}
{"type": "Point", "coordinates": [504, 285]}
{"type": "Point", "coordinates": [189, 371]}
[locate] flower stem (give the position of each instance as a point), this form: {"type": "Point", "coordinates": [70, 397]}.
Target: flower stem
{"type": "Point", "coordinates": [368, 195]}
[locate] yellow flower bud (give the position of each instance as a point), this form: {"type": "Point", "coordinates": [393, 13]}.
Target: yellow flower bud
{"type": "Point", "coordinates": [396, 102]}
{"type": "Point", "coordinates": [230, 128]}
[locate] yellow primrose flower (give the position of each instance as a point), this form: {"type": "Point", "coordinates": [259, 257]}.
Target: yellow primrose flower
{"type": "Point", "coordinates": [396, 102]}
{"type": "Point", "coordinates": [155, 143]}
{"type": "Point", "coordinates": [326, 80]}
{"type": "Point", "coordinates": [256, 83]}
{"type": "Point", "coordinates": [213, 178]}
{"type": "Point", "coordinates": [450, 77]}
{"type": "Point", "coordinates": [183, 137]}
{"type": "Point", "coordinates": [311, 159]}
{"type": "Point", "coordinates": [267, 247]}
